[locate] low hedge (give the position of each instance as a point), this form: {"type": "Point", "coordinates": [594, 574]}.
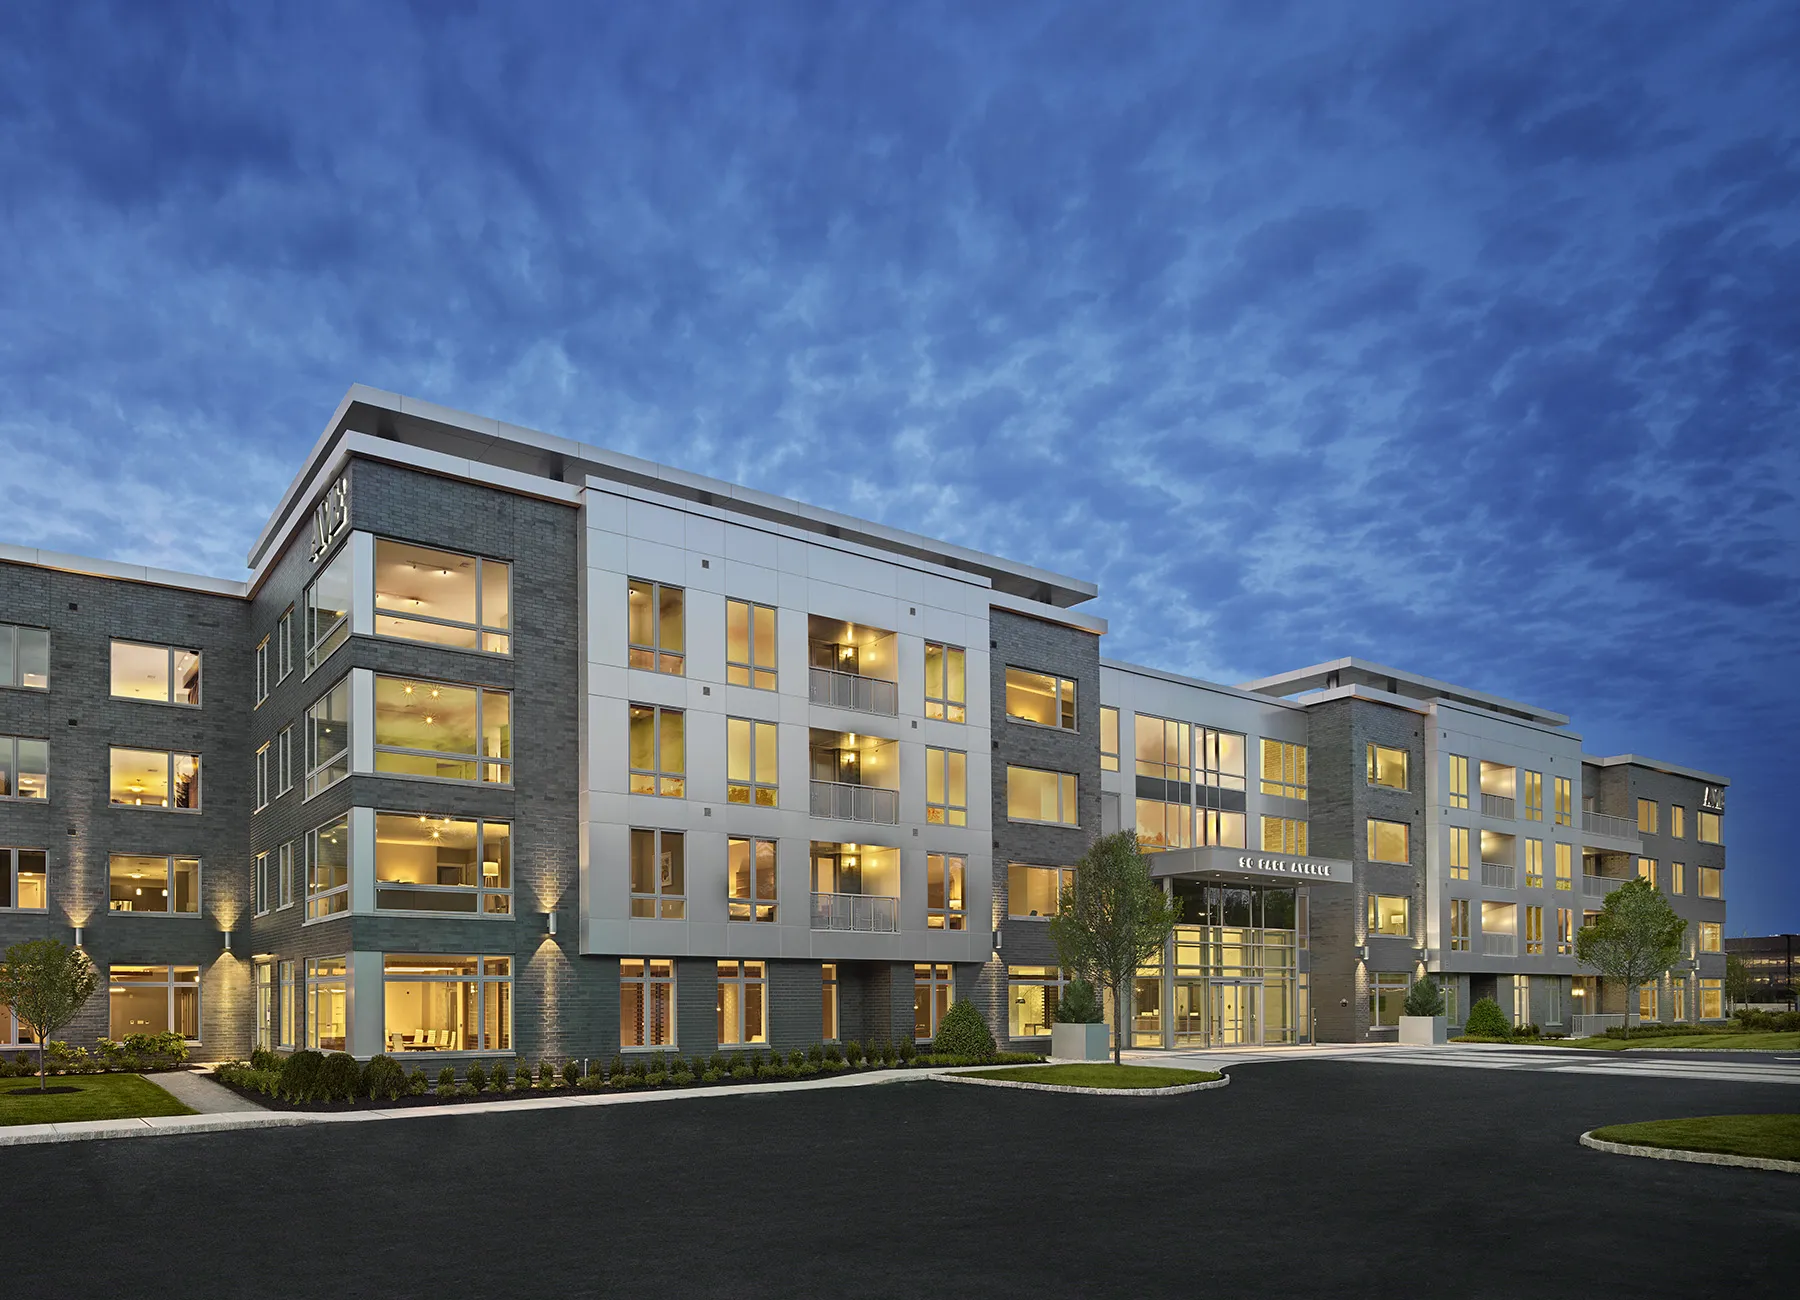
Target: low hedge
{"type": "Point", "coordinates": [133, 1054]}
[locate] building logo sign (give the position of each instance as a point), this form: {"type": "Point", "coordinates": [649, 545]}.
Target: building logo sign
{"type": "Point", "coordinates": [1712, 798]}
{"type": "Point", "coordinates": [330, 518]}
{"type": "Point", "coordinates": [1285, 866]}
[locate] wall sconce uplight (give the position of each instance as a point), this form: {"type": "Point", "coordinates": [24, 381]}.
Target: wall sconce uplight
{"type": "Point", "coordinates": [551, 925]}
{"type": "Point", "coordinates": [78, 932]}
{"type": "Point", "coordinates": [227, 940]}
{"type": "Point", "coordinates": [1362, 952]}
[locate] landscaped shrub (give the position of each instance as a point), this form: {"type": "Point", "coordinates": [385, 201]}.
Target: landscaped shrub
{"type": "Point", "coordinates": [239, 1075]}
{"type": "Point", "coordinates": [416, 1083]}
{"type": "Point", "coordinates": [547, 1075]}
{"type": "Point", "coordinates": [477, 1077]}
{"type": "Point", "coordinates": [446, 1081]}
{"type": "Point", "coordinates": [907, 1051]}
{"type": "Point", "coordinates": [383, 1079]}
{"type": "Point", "coordinates": [1754, 1021]}
{"type": "Point", "coordinates": [1526, 1030]}
{"type": "Point", "coordinates": [963, 1033]}
{"type": "Point", "coordinates": [743, 1069]}
{"type": "Point", "coordinates": [834, 1053]}
{"type": "Point", "coordinates": [1486, 1020]}
{"type": "Point", "coordinates": [853, 1052]}
{"type": "Point", "coordinates": [523, 1078]}
{"type": "Point", "coordinates": [796, 1058]}
{"type": "Point", "coordinates": [816, 1053]}
{"type": "Point", "coordinates": [1425, 998]}
{"type": "Point", "coordinates": [500, 1080]}
{"type": "Point", "coordinates": [339, 1079]}
{"type": "Point", "coordinates": [1079, 1005]}
{"type": "Point", "coordinates": [640, 1068]}
{"type": "Point", "coordinates": [571, 1073]}
{"type": "Point", "coordinates": [300, 1075]}
{"type": "Point", "coordinates": [615, 1067]}
{"type": "Point", "coordinates": [263, 1059]}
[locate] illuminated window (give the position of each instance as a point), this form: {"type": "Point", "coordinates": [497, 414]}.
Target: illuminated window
{"type": "Point", "coordinates": [328, 739]}
{"type": "Point", "coordinates": [1385, 766]}
{"type": "Point", "coordinates": [946, 684]}
{"type": "Point", "coordinates": [1677, 821]}
{"type": "Point", "coordinates": [1459, 781]}
{"type": "Point", "coordinates": [451, 733]}
{"type": "Point", "coordinates": [1388, 915]}
{"type": "Point", "coordinates": [750, 769]}
{"type": "Point", "coordinates": [24, 657]}
{"type": "Point", "coordinates": [1712, 999]}
{"type": "Point", "coordinates": [264, 980]}
{"type": "Point", "coordinates": [154, 778]}
{"type": "Point", "coordinates": [161, 885]}
{"type": "Point", "coordinates": [443, 598]}
{"type": "Point", "coordinates": [1565, 931]}
{"type": "Point", "coordinates": [23, 881]}
{"type": "Point", "coordinates": [1284, 769]}
{"type": "Point", "coordinates": [658, 751]}
{"type": "Point", "coordinates": [1036, 891]}
{"type": "Point", "coordinates": [328, 610]}
{"type": "Point", "coordinates": [828, 1003]}
{"type": "Point", "coordinates": [442, 864]}
{"type": "Point", "coordinates": [1223, 828]}
{"type": "Point", "coordinates": [1534, 931]}
{"type": "Point", "coordinates": [1040, 698]}
{"type": "Point", "coordinates": [945, 908]}
{"type": "Point", "coordinates": [1565, 867]}
{"type": "Point", "coordinates": [932, 993]}
{"type": "Point", "coordinates": [1534, 864]}
{"type": "Point", "coordinates": [1459, 925]}
{"type": "Point", "coordinates": [1711, 883]}
{"type": "Point", "coordinates": [1709, 936]}
{"type": "Point", "coordinates": [290, 1007]}
{"type": "Point", "coordinates": [1565, 802]}
{"type": "Point", "coordinates": [1163, 749]}
{"type": "Point", "coordinates": [1163, 825]}
{"type": "Point", "coordinates": [1677, 878]}
{"type": "Point", "coordinates": [1034, 795]}
{"type": "Point", "coordinates": [1389, 841]}
{"type": "Point", "coordinates": [1459, 852]}
{"type": "Point", "coordinates": [159, 674]}
{"type": "Point", "coordinates": [1647, 1002]}
{"type": "Point", "coordinates": [659, 874]}
{"type": "Point", "coordinates": [439, 1003]}
{"type": "Point", "coordinates": [1647, 816]}
{"type": "Point", "coordinates": [656, 626]}
{"type": "Point", "coordinates": [1109, 738]}
{"type": "Point", "coordinates": [750, 645]}
{"type": "Point", "coordinates": [1678, 997]}
{"type": "Point", "coordinates": [1284, 835]}
{"type": "Point", "coordinates": [328, 869]}
{"type": "Point", "coordinates": [946, 787]}
{"type": "Point", "coordinates": [743, 1003]}
{"type": "Point", "coordinates": [153, 1000]}
{"type": "Point", "coordinates": [327, 1003]}
{"type": "Point", "coordinates": [749, 879]}
{"type": "Point", "coordinates": [1534, 796]}
{"type": "Point", "coordinates": [646, 1002]}
{"type": "Point", "coordinates": [1221, 758]}
{"type": "Point", "coordinates": [1646, 869]}
{"type": "Point", "coordinates": [1708, 829]}
{"type": "Point", "coordinates": [1032, 993]}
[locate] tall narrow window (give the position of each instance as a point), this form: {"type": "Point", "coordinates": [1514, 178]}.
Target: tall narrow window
{"type": "Point", "coordinates": [160, 674]}
{"type": "Point", "coordinates": [1034, 795]}
{"type": "Point", "coordinates": [285, 885]}
{"type": "Point", "coordinates": [1388, 841]}
{"type": "Point", "coordinates": [750, 771]}
{"type": "Point", "coordinates": [451, 733]}
{"type": "Point", "coordinates": [750, 645]}
{"type": "Point", "coordinates": [327, 1003]}
{"type": "Point", "coordinates": [24, 768]}
{"type": "Point", "coordinates": [828, 1003]}
{"type": "Point", "coordinates": [932, 991]}
{"type": "Point", "coordinates": [1040, 698]}
{"type": "Point", "coordinates": [743, 1003]}
{"type": "Point", "coordinates": [154, 778]}
{"type": "Point", "coordinates": [290, 1004]}
{"type": "Point", "coordinates": [442, 598]}
{"type": "Point", "coordinates": [750, 879]}
{"type": "Point", "coordinates": [1459, 852]}
{"type": "Point", "coordinates": [1565, 931]}
{"type": "Point", "coordinates": [1646, 869]}
{"type": "Point", "coordinates": [1459, 925]}
{"type": "Point", "coordinates": [656, 626]}
{"type": "Point", "coordinates": [1283, 769]}
{"type": "Point", "coordinates": [24, 657]}
{"type": "Point", "coordinates": [1459, 781]}
{"type": "Point", "coordinates": [946, 787]}
{"type": "Point", "coordinates": [328, 739]}
{"type": "Point", "coordinates": [1534, 931]}
{"type": "Point", "coordinates": [284, 645]}
{"type": "Point", "coordinates": [646, 1002]}
{"type": "Point", "coordinates": [1534, 796]}
{"type": "Point", "coordinates": [946, 684]}
{"type": "Point", "coordinates": [1565, 802]}
{"type": "Point", "coordinates": [1565, 867]}
{"type": "Point", "coordinates": [1220, 761]}
{"type": "Point", "coordinates": [328, 869]}
{"type": "Point", "coordinates": [262, 670]}
{"type": "Point", "coordinates": [1677, 878]}
{"type": "Point", "coordinates": [262, 778]}
{"type": "Point", "coordinates": [659, 874]}
{"type": "Point", "coordinates": [658, 751]}
{"type": "Point", "coordinates": [944, 906]}
{"type": "Point", "coordinates": [1284, 835]}
{"type": "Point", "coordinates": [1647, 816]}
{"type": "Point", "coordinates": [328, 610]}
{"type": "Point", "coordinates": [260, 882]}
{"type": "Point", "coordinates": [22, 883]}
{"type": "Point", "coordinates": [1109, 738]}
{"type": "Point", "coordinates": [1534, 864]}
{"type": "Point", "coordinates": [264, 978]}
{"type": "Point", "coordinates": [284, 761]}
{"type": "Point", "coordinates": [1385, 766]}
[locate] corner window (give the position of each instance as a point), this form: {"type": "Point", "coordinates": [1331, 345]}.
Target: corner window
{"type": "Point", "coordinates": [24, 657]}
{"type": "Point", "coordinates": [750, 768]}
{"type": "Point", "coordinates": [159, 674]}
{"type": "Point", "coordinates": [944, 904]}
{"type": "Point", "coordinates": [1034, 795]}
{"type": "Point", "coordinates": [155, 778]}
{"type": "Point", "coordinates": [1647, 816]}
{"type": "Point", "coordinates": [1459, 781]}
{"type": "Point", "coordinates": [1040, 698]}
{"type": "Point", "coordinates": [1109, 738]}
{"type": "Point", "coordinates": [933, 990]}
{"type": "Point", "coordinates": [328, 869]}
{"type": "Point", "coordinates": [439, 1003]}
{"type": "Point", "coordinates": [442, 864]}
{"type": "Point", "coordinates": [656, 626]}
{"type": "Point", "coordinates": [24, 768]}
{"type": "Point", "coordinates": [1284, 835]}
{"type": "Point", "coordinates": [328, 739]}
{"type": "Point", "coordinates": [658, 751]}
{"type": "Point", "coordinates": [1036, 891]}
{"type": "Point", "coordinates": [1388, 915]}
{"type": "Point", "coordinates": [153, 1000]}
{"type": "Point", "coordinates": [750, 879]}
{"type": "Point", "coordinates": [646, 1002]}
{"type": "Point", "coordinates": [750, 645]}
{"type": "Point", "coordinates": [23, 880]}
{"type": "Point", "coordinates": [442, 598]}
{"type": "Point", "coordinates": [328, 610]}
{"type": "Point", "coordinates": [1388, 841]}
{"type": "Point", "coordinates": [946, 682]}
{"type": "Point", "coordinates": [743, 1003]}
{"type": "Point", "coordinates": [1386, 767]}
{"type": "Point", "coordinates": [1708, 827]}
{"type": "Point", "coordinates": [167, 886]}
{"type": "Point", "coordinates": [946, 787]}
{"type": "Point", "coordinates": [659, 874]}
{"type": "Point", "coordinates": [1284, 769]}
{"type": "Point", "coordinates": [445, 732]}
{"type": "Point", "coordinates": [327, 1003]}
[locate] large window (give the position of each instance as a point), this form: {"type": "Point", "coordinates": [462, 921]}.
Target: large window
{"type": "Point", "coordinates": [1284, 835]}
{"type": "Point", "coordinates": [1385, 766]}
{"type": "Point", "coordinates": [442, 864]}
{"type": "Point", "coordinates": [932, 993]}
{"type": "Point", "coordinates": [449, 733]}
{"type": "Point", "coordinates": [1565, 867]}
{"type": "Point", "coordinates": [328, 739]}
{"type": "Point", "coordinates": [1218, 826]}
{"type": "Point", "coordinates": [750, 645]}
{"type": "Point", "coordinates": [1459, 852]}
{"type": "Point", "coordinates": [946, 682]}
{"type": "Point", "coordinates": [22, 880]}
{"type": "Point", "coordinates": [1712, 999]}
{"type": "Point", "coordinates": [1534, 864]}
{"type": "Point", "coordinates": [1032, 993]}
{"type": "Point", "coordinates": [1708, 828]}
{"type": "Point", "coordinates": [750, 769]}
{"type": "Point", "coordinates": [646, 1002]}
{"type": "Point", "coordinates": [1387, 998]}
{"type": "Point", "coordinates": [327, 1003]}
{"type": "Point", "coordinates": [1109, 738]}
{"type": "Point", "coordinates": [1711, 883]}
{"type": "Point", "coordinates": [436, 1003]}
{"type": "Point", "coordinates": [749, 879]}
{"type": "Point", "coordinates": [1459, 925]}
{"type": "Point", "coordinates": [1284, 769]}
{"type": "Point", "coordinates": [656, 626]}
{"type": "Point", "coordinates": [24, 657]}
{"type": "Point", "coordinates": [1163, 749]}
{"type": "Point", "coordinates": [168, 886]}
{"type": "Point", "coordinates": [1040, 698]}
{"type": "Point", "coordinates": [659, 874]}
{"type": "Point", "coordinates": [1220, 761]}
{"type": "Point", "coordinates": [1388, 915]}
{"type": "Point", "coordinates": [1036, 891]}
{"type": "Point", "coordinates": [155, 778]}
{"type": "Point", "coordinates": [1034, 795]}
{"type": "Point", "coordinates": [1164, 825]}
{"type": "Point", "coordinates": [24, 768]}
{"type": "Point", "coordinates": [946, 787]}
{"type": "Point", "coordinates": [1534, 932]}
{"type": "Point", "coordinates": [1534, 796]}
{"type": "Point", "coordinates": [743, 1003]}
{"type": "Point", "coordinates": [1677, 821]}
{"type": "Point", "coordinates": [828, 1003]}
{"type": "Point", "coordinates": [158, 673]}
{"type": "Point", "coordinates": [1388, 841]}
{"type": "Point", "coordinates": [328, 869]}
{"type": "Point", "coordinates": [1459, 781]}
{"type": "Point", "coordinates": [1647, 816]}
{"type": "Point", "coordinates": [945, 908]}
{"type": "Point", "coordinates": [1565, 802]}
{"type": "Point", "coordinates": [328, 610]}
{"type": "Point", "coordinates": [1565, 931]}
{"type": "Point", "coordinates": [441, 597]}
{"type": "Point", "coordinates": [658, 751]}
{"type": "Point", "coordinates": [153, 1000]}
{"type": "Point", "coordinates": [1709, 936]}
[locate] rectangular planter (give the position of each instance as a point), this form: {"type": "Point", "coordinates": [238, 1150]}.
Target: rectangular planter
{"type": "Point", "coordinates": [1424, 1030]}
{"type": "Point", "coordinates": [1080, 1042]}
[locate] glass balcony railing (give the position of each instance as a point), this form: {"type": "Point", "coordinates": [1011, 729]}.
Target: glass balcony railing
{"type": "Point", "coordinates": [855, 803]}
{"type": "Point", "coordinates": [1496, 875]}
{"type": "Point", "coordinates": [1599, 886]}
{"type": "Point", "coordinates": [868, 913]}
{"type": "Point", "coordinates": [1497, 805]}
{"type": "Point", "coordinates": [1499, 945]}
{"type": "Point", "coordinates": [849, 691]}
{"type": "Point", "coordinates": [1605, 824]}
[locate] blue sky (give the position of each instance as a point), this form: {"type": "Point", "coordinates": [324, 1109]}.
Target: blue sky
{"type": "Point", "coordinates": [1461, 339]}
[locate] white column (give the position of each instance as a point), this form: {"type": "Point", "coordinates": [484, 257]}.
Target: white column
{"type": "Point", "coordinates": [367, 1007]}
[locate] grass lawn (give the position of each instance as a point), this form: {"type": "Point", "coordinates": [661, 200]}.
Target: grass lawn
{"type": "Point", "coordinates": [1100, 1075]}
{"type": "Point", "coordinates": [1736, 1042]}
{"type": "Point", "coordinates": [1775, 1137]}
{"type": "Point", "coordinates": [97, 1096]}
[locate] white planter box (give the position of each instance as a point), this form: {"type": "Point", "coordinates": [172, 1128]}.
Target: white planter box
{"type": "Point", "coordinates": [1424, 1030]}
{"type": "Point", "coordinates": [1080, 1042]}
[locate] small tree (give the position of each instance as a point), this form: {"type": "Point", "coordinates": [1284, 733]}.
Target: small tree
{"type": "Point", "coordinates": [1636, 937]}
{"type": "Point", "coordinates": [1112, 920]}
{"type": "Point", "coordinates": [1737, 980]}
{"type": "Point", "coordinates": [46, 983]}
{"type": "Point", "coordinates": [1425, 998]}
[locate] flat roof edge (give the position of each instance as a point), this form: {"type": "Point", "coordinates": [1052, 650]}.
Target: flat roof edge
{"type": "Point", "coordinates": [1655, 765]}
{"type": "Point", "coordinates": [1181, 679]}
{"type": "Point", "coordinates": [1296, 679]}
{"type": "Point", "coordinates": [96, 568]}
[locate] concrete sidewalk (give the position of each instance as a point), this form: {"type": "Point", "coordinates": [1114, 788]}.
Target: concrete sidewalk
{"type": "Point", "coordinates": [199, 1091]}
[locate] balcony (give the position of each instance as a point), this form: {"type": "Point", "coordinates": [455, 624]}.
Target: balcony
{"type": "Point", "coordinates": [1622, 828]}
{"type": "Point", "coordinates": [852, 666]}
{"type": "Point", "coordinates": [855, 803]}
{"type": "Point", "coordinates": [1497, 875]}
{"type": "Point", "coordinates": [863, 913]}
{"type": "Point", "coordinates": [1498, 805]}
{"type": "Point", "coordinates": [849, 691]}
{"type": "Point", "coordinates": [1598, 886]}
{"type": "Point", "coordinates": [1499, 945]}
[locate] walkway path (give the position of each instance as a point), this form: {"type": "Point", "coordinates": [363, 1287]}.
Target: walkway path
{"type": "Point", "coordinates": [203, 1094]}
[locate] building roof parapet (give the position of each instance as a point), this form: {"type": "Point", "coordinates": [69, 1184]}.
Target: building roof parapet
{"type": "Point", "coordinates": [1397, 682]}
{"type": "Point", "coordinates": [1656, 765]}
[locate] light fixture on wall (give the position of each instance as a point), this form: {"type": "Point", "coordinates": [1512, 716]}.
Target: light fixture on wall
{"type": "Point", "coordinates": [550, 924]}
{"type": "Point", "coordinates": [78, 932]}
{"type": "Point", "coordinates": [227, 934]}
{"type": "Point", "coordinates": [1362, 952]}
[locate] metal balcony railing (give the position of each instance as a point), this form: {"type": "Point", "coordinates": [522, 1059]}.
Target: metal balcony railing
{"type": "Point", "coordinates": [1499, 945]}
{"type": "Point", "coordinates": [1599, 886]}
{"type": "Point", "coordinates": [1622, 828]}
{"type": "Point", "coordinates": [849, 691]}
{"type": "Point", "coordinates": [868, 913]}
{"type": "Point", "coordinates": [1595, 1025]}
{"type": "Point", "coordinates": [855, 803]}
{"type": "Point", "coordinates": [1497, 805]}
{"type": "Point", "coordinates": [1496, 875]}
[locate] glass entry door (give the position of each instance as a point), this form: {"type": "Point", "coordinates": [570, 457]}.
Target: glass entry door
{"type": "Point", "coordinates": [1236, 1013]}
{"type": "Point", "coordinates": [1190, 1013]}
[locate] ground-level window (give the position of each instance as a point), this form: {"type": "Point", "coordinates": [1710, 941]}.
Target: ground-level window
{"type": "Point", "coordinates": [931, 999]}
{"type": "Point", "coordinates": [22, 877]}
{"type": "Point", "coordinates": [327, 1003]}
{"type": "Point", "coordinates": [1678, 997]}
{"type": "Point", "coordinates": [154, 1000]}
{"type": "Point", "coordinates": [1712, 999]}
{"type": "Point", "coordinates": [1387, 998]}
{"type": "Point", "coordinates": [1521, 988]}
{"type": "Point", "coordinates": [1032, 994]}
{"type": "Point", "coordinates": [1451, 1012]}
{"type": "Point", "coordinates": [289, 1004]}
{"type": "Point", "coordinates": [646, 1002]}
{"type": "Point", "coordinates": [437, 1003]}
{"type": "Point", "coordinates": [1647, 1002]}
{"type": "Point", "coordinates": [828, 1003]}
{"type": "Point", "coordinates": [944, 904]}
{"type": "Point", "coordinates": [743, 1003]}
{"type": "Point", "coordinates": [11, 1032]}
{"type": "Point", "coordinates": [265, 1003]}
{"type": "Point", "coordinates": [1553, 1000]}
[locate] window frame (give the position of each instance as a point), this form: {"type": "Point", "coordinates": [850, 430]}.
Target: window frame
{"type": "Point", "coordinates": [168, 806]}
{"type": "Point", "coordinates": [942, 707]}
{"type": "Point", "coordinates": [1534, 863]}
{"type": "Point", "coordinates": [1293, 776]}
{"type": "Point", "coordinates": [1372, 762]}
{"type": "Point", "coordinates": [1677, 877]}
{"type": "Point", "coordinates": [1065, 879]}
{"type": "Point", "coordinates": [1533, 802]}
{"type": "Point", "coordinates": [1072, 791]}
{"type": "Point", "coordinates": [1565, 931]}
{"type": "Point", "coordinates": [337, 765]}
{"type": "Point", "coordinates": [169, 653]}
{"type": "Point", "coordinates": [1109, 731]}
{"type": "Point", "coordinates": [952, 806]}
{"type": "Point", "coordinates": [12, 634]}
{"type": "Point", "coordinates": [1458, 785]}
{"type": "Point", "coordinates": [1534, 930]}
{"type": "Point", "coordinates": [1029, 976]}
{"type": "Point", "coordinates": [168, 983]}
{"type": "Point", "coordinates": [666, 904]}
{"type": "Point", "coordinates": [261, 764]}
{"type": "Point", "coordinates": [743, 981]}
{"type": "Point", "coordinates": [1457, 836]}
{"type": "Point", "coordinates": [952, 911]}
{"type": "Point", "coordinates": [1648, 811]}
{"type": "Point", "coordinates": [284, 856]}
{"type": "Point", "coordinates": [1565, 866]}
{"type": "Point", "coordinates": [1709, 827]}
{"type": "Point", "coordinates": [484, 632]}
{"type": "Point", "coordinates": [1459, 925]}
{"type": "Point", "coordinates": [1406, 828]}
{"type": "Point", "coordinates": [484, 764]}
{"type": "Point", "coordinates": [657, 655]}
{"type": "Point", "coordinates": [1290, 832]}
{"type": "Point", "coordinates": [1209, 759]}
{"type": "Point", "coordinates": [320, 978]}
{"type": "Point", "coordinates": [656, 776]}
{"type": "Point", "coordinates": [1717, 875]}
{"type": "Point", "coordinates": [1387, 985]}
{"type": "Point", "coordinates": [752, 907]}
{"type": "Point", "coordinates": [334, 900]}
{"type": "Point", "coordinates": [482, 893]}
{"type": "Point", "coordinates": [1065, 706]}
{"type": "Point", "coordinates": [750, 671]}
{"type": "Point", "coordinates": [1677, 821]}
{"type": "Point", "coordinates": [14, 766]}
{"type": "Point", "coordinates": [321, 644]}
{"type": "Point", "coordinates": [1376, 907]}
{"type": "Point", "coordinates": [939, 988]}
{"type": "Point", "coordinates": [286, 1013]}
{"type": "Point", "coordinates": [262, 673]}
{"type": "Point", "coordinates": [10, 871]}
{"type": "Point", "coordinates": [1173, 737]}
{"type": "Point", "coordinates": [648, 980]}
{"type": "Point", "coordinates": [259, 883]}
{"type": "Point", "coordinates": [284, 764]}
{"type": "Point", "coordinates": [829, 1026]}
{"type": "Point", "coordinates": [1563, 793]}
{"type": "Point", "coordinates": [747, 785]}
{"type": "Point", "coordinates": [1711, 936]}
{"type": "Point", "coordinates": [487, 1041]}
{"type": "Point", "coordinates": [284, 645]}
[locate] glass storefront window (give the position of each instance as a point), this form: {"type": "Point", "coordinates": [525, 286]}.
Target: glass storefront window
{"type": "Point", "coordinates": [1032, 995]}
{"type": "Point", "coordinates": [437, 1003]}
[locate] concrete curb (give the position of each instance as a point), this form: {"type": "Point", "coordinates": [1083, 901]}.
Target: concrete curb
{"type": "Point", "coordinates": [1087, 1092]}
{"type": "Point", "coordinates": [1690, 1157]}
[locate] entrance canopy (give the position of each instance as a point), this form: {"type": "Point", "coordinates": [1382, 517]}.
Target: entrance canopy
{"type": "Point", "coordinates": [1217, 862]}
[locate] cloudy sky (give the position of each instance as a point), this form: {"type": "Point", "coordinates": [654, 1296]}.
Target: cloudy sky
{"type": "Point", "coordinates": [1462, 340]}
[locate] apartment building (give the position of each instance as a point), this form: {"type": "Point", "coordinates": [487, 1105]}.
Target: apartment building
{"type": "Point", "coordinates": [514, 745]}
